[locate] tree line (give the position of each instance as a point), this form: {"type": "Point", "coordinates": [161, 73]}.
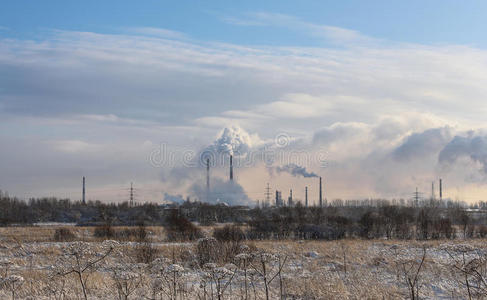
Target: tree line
{"type": "Point", "coordinates": [340, 219]}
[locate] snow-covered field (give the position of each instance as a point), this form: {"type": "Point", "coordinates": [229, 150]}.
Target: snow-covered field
{"type": "Point", "coordinates": [350, 269]}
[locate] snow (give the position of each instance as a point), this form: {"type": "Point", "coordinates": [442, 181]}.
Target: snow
{"type": "Point", "coordinates": [352, 269]}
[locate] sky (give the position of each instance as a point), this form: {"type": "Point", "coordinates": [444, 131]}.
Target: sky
{"type": "Point", "coordinates": [377, 97]}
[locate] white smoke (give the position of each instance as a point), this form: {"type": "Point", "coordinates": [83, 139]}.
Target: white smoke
{"type": "Point", "coordinates": [221, 191]}
{"type": "Point", "coordinates": [177, 199]}
{"type": "Point", "coordinates": [230, 141]}
{"type": "Point", "coordinates": [233, 141]}
{"type": "Point", "coordinates": [295, 170]}
{"type": "Point", "coordinates": [473, 147]}
{"type": "Point", "coordinates": [421, 144]}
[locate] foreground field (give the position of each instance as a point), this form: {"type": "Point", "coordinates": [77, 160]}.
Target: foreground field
{"type": "Point", "coordinates": [33, 266]}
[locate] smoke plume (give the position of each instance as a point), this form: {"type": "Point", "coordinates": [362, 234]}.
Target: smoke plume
{"type": "Point", "coordinates": [177, 199]}
{"type": "Point", "coordinates": [295, 170]}
{"type": "Point", "coordinates": [228, 192]}
{"type": "Point", "coordinates": [474, 147]}
{"type": "Point", "coordinates": [232, 141]}
{"type": "Point", "coordinates": [422, 144]}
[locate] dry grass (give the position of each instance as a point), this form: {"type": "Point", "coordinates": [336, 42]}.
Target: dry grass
{"type": "Point", "coordinates": [346, 269]}
{"type": "Point", "coordinates": [32, 234]}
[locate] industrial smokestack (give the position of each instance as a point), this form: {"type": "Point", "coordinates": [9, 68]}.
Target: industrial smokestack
{"type": "Point", "coordinates": [306, 196]}
{"type": "Point", "coordinates": [290, 200]}
{"type": "Point", "coordinates": [231, 167]}
{"type": "Point", "coordinates": [207, 179]}
{"type": "Point", "coordinates": [441, 190]}
{"type": "Point", "coordinates": [321, 195]}
{"type": "Point", "coordinates": [84, 191]}
{"type": "Point", "coordinates": [279, 202]}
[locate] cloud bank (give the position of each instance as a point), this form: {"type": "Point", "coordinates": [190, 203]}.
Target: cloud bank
{"type": "Point", "coordinates": [97, 105]}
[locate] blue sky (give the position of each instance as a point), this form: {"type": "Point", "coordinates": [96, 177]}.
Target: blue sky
{"type": "Point", "coordinates": [390, 94]}
{"type": "Point", "coordinates": [427, 22]}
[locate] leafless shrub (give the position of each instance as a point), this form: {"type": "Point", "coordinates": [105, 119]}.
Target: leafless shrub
{"type": "Point", "coordinates": [243, 261]}
{"type": "Point", "coordinates": [64, 235]}
{"type": "Point", "coordinates": [12, 283]}
{"type": "Point", "coordinates": [5, 264]}
{"type": "Point", "coordinates": [127, 278]}
{"type": "Point", "coordinates": [264, 265]}
{"type": "Point", "coordinates": [229, 233]}
{"type": "Point", "coordinates": [471, 267]}
{"type": "Point", "coordinates": [55, 286]}
{"type": "Point", "coordinates": [104, 231]}
{"type": "Point", "coordinates": [138, 233]}
{"type": "Point", "coordinates": [229, 238]}
{"type": "Point", "coordinates": [181, 229]}
{"type": "Point", "coordinates": [168, 278]}
{"type": "Point", "coordinates": [220, 278]}
{"type": "Point", "coordinates": [411, 271]}
{"type": "Point", "coordinates": [81, 260]}
{"type": "Point", "coordinates": [482, 231]}
{"type": "Point", "coordinates": [344, 250]}
{"type": "Point", "coordinates": [145, 251]}
{"type": "Point", "coordinates": [207, 250]}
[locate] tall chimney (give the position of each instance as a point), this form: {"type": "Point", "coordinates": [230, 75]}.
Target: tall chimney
{"type": "Point", "coordinates": [290, 200]}
{"type": "Point", "coordinates": [306, 196]}
{"type": "Point", "coordinates": [84, 191]}
{"type": "Point", "coordinates": [321, 195]}
{"type": "Point", "coordinates": [441, 190]}
{"type": "Point", "coordinates": [231, 167]}
{"type": "Point", "coordinates": [207, 179]}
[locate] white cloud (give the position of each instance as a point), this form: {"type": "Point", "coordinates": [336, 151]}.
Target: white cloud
{"type": "Point", "coordinates": [100, 118]}
{"type": "Point", "coordinates": [75, 146]}
{"type": "Point", "coordinates": [85, 92]}
{"type": "Point", "coordinates": [296, 106]}
{"type": "Point", "coordinates": [332, 33]}
{"type": "Point", "coordinates": [158, 32]}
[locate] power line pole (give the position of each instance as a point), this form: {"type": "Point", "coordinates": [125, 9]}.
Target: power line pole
{"type": "Point", "coordinates": [267, 195]}
{"type": "Point", "coordinates": [416, 197]}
